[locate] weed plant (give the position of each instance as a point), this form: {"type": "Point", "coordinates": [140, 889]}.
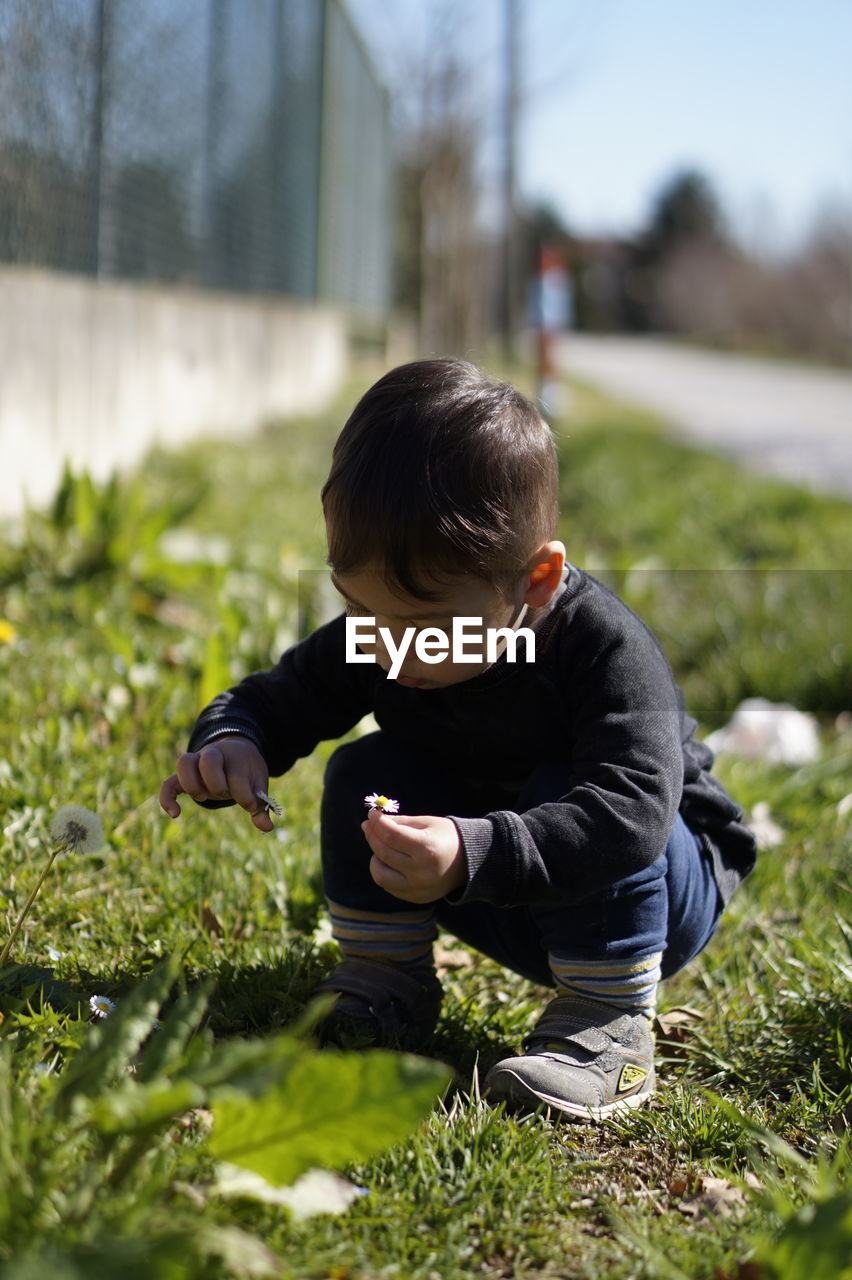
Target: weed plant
{"type": "Point", "coordinates": [122, 610]}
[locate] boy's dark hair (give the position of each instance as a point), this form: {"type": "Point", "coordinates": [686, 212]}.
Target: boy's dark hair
{"type": "Point", "coordinates": [439, 471]}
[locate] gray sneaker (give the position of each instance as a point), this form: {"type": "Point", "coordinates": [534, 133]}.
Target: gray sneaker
{"type": "Point", "coordinates": [380, 1005]}
{"type": "Point", "coordinates": [584, 1059]}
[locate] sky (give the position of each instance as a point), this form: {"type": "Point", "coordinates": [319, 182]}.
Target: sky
{"type": "Point", "coordinates": [616, 95]}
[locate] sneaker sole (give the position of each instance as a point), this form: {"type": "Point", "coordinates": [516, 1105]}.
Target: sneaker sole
{"type": "Point", "coordinates": [514, 1091]}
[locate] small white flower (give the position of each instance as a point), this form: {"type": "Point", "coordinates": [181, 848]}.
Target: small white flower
{"type": "Point", "coordinates": [77, 829]}
{"type": "Point", "coordinates": [101, 1006]}
{"type": "Point", "coordinates": [143, 675]}
{"type": "Point", "coordinates": [53, 954]}
{"type": "Point", "coordinates": [375, 801]}
{"type": "Point", "coordinates": [118, 697]}
{"type": "Point", "coordinates": [271, 805]}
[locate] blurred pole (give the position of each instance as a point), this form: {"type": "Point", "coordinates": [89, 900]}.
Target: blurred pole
{"type": "Point", "coordinates": [509, 318]}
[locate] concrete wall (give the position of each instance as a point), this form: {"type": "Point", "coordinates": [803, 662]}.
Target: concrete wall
{"type": "Point", "coordinates": [96, 372]}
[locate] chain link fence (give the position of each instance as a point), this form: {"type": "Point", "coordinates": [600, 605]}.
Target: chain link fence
{"type": "Point", "coordinates": [234, 144]}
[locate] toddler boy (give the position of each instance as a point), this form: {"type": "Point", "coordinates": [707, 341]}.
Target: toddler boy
{"type": "Point", "coordinates": [564, 818]}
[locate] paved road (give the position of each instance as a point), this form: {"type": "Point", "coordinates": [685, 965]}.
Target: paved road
{"type": "Point", "coordinates": [791, 420]}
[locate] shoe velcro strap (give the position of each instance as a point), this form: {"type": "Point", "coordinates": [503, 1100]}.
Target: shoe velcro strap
{"type": "Point", "coordinates": [586, 1023]}
{"type": "Point", "coordinates": [586, 1037]}
{"type": "Point", "coordinates": [374, 982]}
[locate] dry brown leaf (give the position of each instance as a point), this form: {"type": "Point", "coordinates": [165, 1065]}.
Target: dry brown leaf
{"type": "Point", "coordinates": [679, 1184]}
{"type": "Point", "coordinates": [744, 1271]}
{"type": "Point", "coordinates": [681, 1016]}
{"type": "Point", "coordinates": [716, 1197]}
{"type": "Point", "coordinates": [452, 957]}
{"type": "Point", "coordinates": [674, 1028]}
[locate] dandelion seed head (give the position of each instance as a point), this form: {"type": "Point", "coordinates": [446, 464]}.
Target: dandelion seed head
{"type": "Point", "coordinates": [101, 1006]}
{"type": "Point", "coordinates": [77, 829]}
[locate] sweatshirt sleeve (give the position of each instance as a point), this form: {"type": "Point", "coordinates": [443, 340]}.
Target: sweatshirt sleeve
{"type": "Point", "coordinates": [309, 696]}
{"type": "Point", "coordinates": [622, 779]}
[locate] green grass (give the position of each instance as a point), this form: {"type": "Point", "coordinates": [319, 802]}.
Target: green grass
{"type": "Point", "coordinates": [109, 648]}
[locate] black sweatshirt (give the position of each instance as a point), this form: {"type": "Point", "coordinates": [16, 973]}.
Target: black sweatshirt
{"type": "Point", "coordinates": [599, 694]}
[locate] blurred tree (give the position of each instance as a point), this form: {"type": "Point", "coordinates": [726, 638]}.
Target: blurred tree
{"type": "Point", "coordinates": [685, 210]}
{"type": "Point", "coordinates": [675, 271]}
{"type": "Point", "coordinates": [813, 289]}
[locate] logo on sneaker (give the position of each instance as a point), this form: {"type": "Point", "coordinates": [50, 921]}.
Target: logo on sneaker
{"type": "Point", "coordinates": [631, 1075]}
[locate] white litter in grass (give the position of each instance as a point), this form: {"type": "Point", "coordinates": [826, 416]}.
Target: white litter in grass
{"type": "Point", "coordinates": [315, 1192]}
{"type": "Point", "coordinates": [766, 832]}
{"type": "Point", "coordinates": [771, 731]}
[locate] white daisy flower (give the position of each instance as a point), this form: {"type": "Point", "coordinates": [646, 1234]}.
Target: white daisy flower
{"type": "Point", "coordinates": [375, 801]}
{"type": "Point", "coordinates": [272, 806]}
{"type": "Point", "coordinates": [77, 829]}
{"type": "Point", "coordinates": [101, 1006]}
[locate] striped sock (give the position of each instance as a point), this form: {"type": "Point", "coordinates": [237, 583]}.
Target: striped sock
{"type": "Point", "coordinates": [627, 984]}
{"type": "Point", "coordinates": [398, 937]}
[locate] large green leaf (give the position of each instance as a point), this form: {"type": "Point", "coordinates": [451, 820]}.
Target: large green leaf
{"type": "Point", "coordinates": [328, 1109]}
{"type": "Point", "coordinates": [131, 1107]}
{"type": "Point", "coordinates": [815, 1244]}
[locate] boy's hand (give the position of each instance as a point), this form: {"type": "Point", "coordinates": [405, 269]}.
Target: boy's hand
{"type": "Point", "coordinates": [227, 769]}
{"type": "Point", "coordinates": [416, 859]}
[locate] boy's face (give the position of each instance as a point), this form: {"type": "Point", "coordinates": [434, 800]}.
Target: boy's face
{"type": "Point", "coordinates": [368, 596]}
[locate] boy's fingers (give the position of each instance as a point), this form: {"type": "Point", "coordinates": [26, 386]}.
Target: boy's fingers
{"type": "Point", "coordinates": [211, 768]}
{"type": "Point", "coordinates": [394, 833]}
{"type": "Point", "coordinates": [189, 776]}
{"type": "Point", "coordinates": [169, 792]}
{"type": "Point", "coordinates": [384, 876]}
{"type": "Point", "coordinates": [202, 776]}
{"type": "Point", "coordinates": [397, 858]}
{"type": "Point", "coordinates": [260, 815]}
{"type": "Point", "coordinates": [414, 823]}
{"type": "Point", "coordinates": [244, 791]}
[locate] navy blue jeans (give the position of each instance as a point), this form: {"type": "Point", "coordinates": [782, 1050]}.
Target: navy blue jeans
{"type": "Point", "coordinates": [671, 906]}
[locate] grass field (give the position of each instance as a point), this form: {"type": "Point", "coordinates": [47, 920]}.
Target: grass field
{"type": "Point", "coordinates": [122, 610]}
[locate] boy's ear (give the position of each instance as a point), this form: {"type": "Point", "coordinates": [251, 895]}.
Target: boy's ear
{"type": "Point", "coordinates": [545, 574]}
